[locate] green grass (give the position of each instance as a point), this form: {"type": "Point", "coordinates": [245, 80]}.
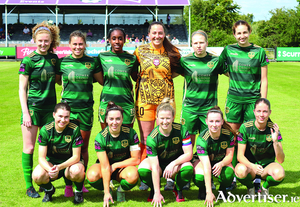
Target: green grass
{"type": "Point", "coordinates": [283, 94]}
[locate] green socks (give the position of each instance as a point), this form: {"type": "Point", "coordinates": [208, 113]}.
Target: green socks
{"type": "Point", "coordinates": [67, 181]}
{"type": "Point", "coordinates": [247, 181]}
{"type": "Point", "coordinates": [47, 186]}
{"type": "Point", "coordinates": [125, 185]}
{"type": "Point", "coordinates": [226, 177]}
{"type": "Point", "coordinates": [184, 176]}
{"type": "Point", "coordinates": [199, 182]}
{"type": "Point", "coordinates": [27, 164]}
{"type": "Point", "coordinates": [146, 176]}
{"type": "Point", "coordinates": [78, 186]}
{"type": "Point", "coordinates": [271, 182]}
{"type": "Point", "coordinates": [97, 184]}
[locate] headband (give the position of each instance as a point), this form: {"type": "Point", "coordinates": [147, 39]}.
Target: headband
{"type": "Point", "coordinates": [199, 32]}
{"type": "Point", "coordinates": [214, 110]}
{"type": "Point", "coordinates": [42, 28]}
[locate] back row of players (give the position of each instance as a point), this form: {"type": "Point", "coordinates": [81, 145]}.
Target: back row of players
{"type": "Point", "coordinates": [159, 61]}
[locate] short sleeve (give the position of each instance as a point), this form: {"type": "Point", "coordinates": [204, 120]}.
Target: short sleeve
{"type": "Point", "coordinates": [98, 66]}
{"type": "Point", "coordinates": [231, 144]}
{"type": "Point", "coordinates": [99, 143]}
{"type": "Point", "coordinates": [180, 69]}
{"type": "Point", "coordinates": [201, 147]}
{"type": "Point", "coordinates": [242, 136]}
{"type": "Point", "coordinates": [134, 139]}
{"type": "Point", "coordinates": [25, 66]}
{"type": "Point", "coordinates": [43, 137]}
{"type": "Point", "coordinates": [135, 65]}
{"type": "Point", "coordinates": [263, 58]}
{"type": "Point", "coordinates": [59, 67]}
{"type": "Point", "coordinates": [78, 140]}
{"type": "Point", "coordinates": [151, 147]}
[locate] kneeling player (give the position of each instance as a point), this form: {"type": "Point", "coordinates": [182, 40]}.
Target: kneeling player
{"type": "Point", "coordinates": [59, 153]}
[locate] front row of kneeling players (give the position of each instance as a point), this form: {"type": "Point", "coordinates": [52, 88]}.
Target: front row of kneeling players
{"type": "Point", "coordinates": [169, 151]}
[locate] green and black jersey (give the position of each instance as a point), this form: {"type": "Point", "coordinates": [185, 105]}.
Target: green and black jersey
{"type": "Point", "coordinates": [259, 147]}
{"type": "Point", "coordinates": [41, 70]}
{"type": "Point", "coordinates": [77, 80]}
{"type": "Point", "coordinates": [244, 65]}
{"type": "Point", "coordinates": [117, 148]}
{"type": "Point", "coordinates": [201, 82]}
{"type": "Point", "coordinates": [168, 148]}
{"type": "Point", "coordinates": [215, 149]}
{"type": "Point", "coordinates": [117, 85]}
{"type": "Point", "coordinates": [60, 145]}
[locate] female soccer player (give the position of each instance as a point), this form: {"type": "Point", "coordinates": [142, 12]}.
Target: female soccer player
{"type": "Point", "coordinates": [118, 152]}
{"type": "Point", "coordinates": [77, 71]}
{"type": "Point", "coordinates": [158, 60]}
{"type": "Point", "coordinates": [169, 150]}
{"type": "Point", "coordinates": [37, 73]}
{"type": "Point", "coordinates": [117, 66]}
{"type": "Point", "coordinates": [201, 71]}
{"type": "Point", "coordinates": [215, 147]}
{"type": "Point", "coordinates": [247, 64]}
{"type": "Point", "coordinates": [259, 143]}
{"type": "Point", "coordinates": [60, 144]}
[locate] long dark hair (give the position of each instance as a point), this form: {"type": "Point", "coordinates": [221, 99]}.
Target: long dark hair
{"type": "Point", "coordinates": [172, 51]}
{"type": "Point", "coordinates": [111, 106]}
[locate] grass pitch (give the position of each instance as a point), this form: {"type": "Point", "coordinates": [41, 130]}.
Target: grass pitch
{"type": "Point", "coordinates": [285, 104]}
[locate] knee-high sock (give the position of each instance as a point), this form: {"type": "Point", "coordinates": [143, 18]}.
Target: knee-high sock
{"type": "Point", "coordinates": [78, 186]}
{"type": "Point", "coordinates": [143, 151]}
{"type": "Point", "coordinates": [146, 177]}
{"type": "Point", "coordinates": [247, 181]}
{"type": "Point", "coordinates": [47, 186]}
{"type": "Point", "coordinates": [97, 184]}
{"type": "Point", "coordinates": [125, 185]}
{"type": "Point", "coordinates": [67, 181]}
{"type": "Point", "coordinates": [226, 177]}
{"type": "Point", "coordinates": [234, 159]}
{"type": "Point", "coordinates": [27, 164]}
{"type": "Point", "coordinates": [184, 176]}
{"type": "Point", "coordinates": [271, 182]}
{"type": "Point", "coordinates": [199, 181]}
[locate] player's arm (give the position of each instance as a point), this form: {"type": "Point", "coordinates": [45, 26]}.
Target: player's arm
{"type": "Point", "coordinates": [23, 86]}
{"type": "Point", "coordinates": [42, 158]}
{"type": "Point", "coordinates": [58, 79]}
{"type": "Point", "coordinates": [210, 197]}
{"type": "Point", "coordinates": [217, 168]}
{"type": "Point", "coordinates": [277, 145]}
{"type": "Point", "coordinates": [99, 77]}
{"type": "Point", "coordinates": [264, 81]}
{"type": "Point", "coordinates": [135, 159]}
{"type": "Point", "coordinates": [72, 160]}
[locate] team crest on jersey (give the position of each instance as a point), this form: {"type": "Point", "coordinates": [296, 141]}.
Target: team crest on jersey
{"type": "Point", "coordinates": [210, 64]}
{"type": "Point", "coordinates": [182, 121]}
{"type": "Point", "coordinates": [31, 112]}
{"type": "Point", "coordinates": [251, 54]}
{"type": "Point", "coordinates": [88, 65]}
{"type": "Point", "coordinates": [176, 140]}
{"type": "Point", "coordinates": [124, 143]}
{"type": "Point", "coordinates": [53, 61]}
{"type": "Point", "coordinates": [224, 145]}
{"type": "Point", "coordinates": [68, 138]}
{"type": "Point", "coordinates": [127, 61]}
{"type": "Point", "coordinates": [156, 62]}
{"type": "Point", "coordinates": [227, 110]}
{"type": "Point", "coordinates": [110, 155]}
{"type": "Point", "coordinates": [269, 137]}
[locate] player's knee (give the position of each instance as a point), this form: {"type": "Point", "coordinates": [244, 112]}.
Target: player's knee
{"type": "Point", "coordinates": [39, 177]}
{"type": "Point", "coordinates": [132, 175]}
{"type": "Point", "coordinates": [76, 173]}
{"type": "Point", "coordinates": [241, 171]}
{"type": "Point", "coordinates": [93, 175]}
{"type": "Point", "coordinates": [279, 174]}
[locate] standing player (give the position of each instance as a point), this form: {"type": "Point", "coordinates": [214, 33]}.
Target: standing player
{"type": "Point", "coordinates": [200, 70]}
{"type": "Point", "coordinates": [259, 143]}
{"type": "Point", "coordinates": [77, 71]}
{"type": "Point", "coordinates": [169, 150]}
{"type": "Point", "coordinates": [59, 153]}
{"type": "Point", "coordinates": [117, 66]}
{"type": "Point", "coordinates": [215, 147]}
{"type": "Point", "coordinates": [118, 152]}
{"type": "Point", "coordinates": [37, 93]}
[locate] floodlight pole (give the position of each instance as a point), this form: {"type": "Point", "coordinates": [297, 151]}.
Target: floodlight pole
{"type": "Point", "coordinates": [56, 14]}
{"type": "Point", "coordinates": [6, 43]}
{"type": "Point", "coordinates": [156, 11]}
{"type": "Point", "coordinates": [105, 25]}
{"type": "Point", "coordinates": [189, 39]}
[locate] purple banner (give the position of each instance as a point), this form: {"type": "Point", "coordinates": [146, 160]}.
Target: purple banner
{"type": "Point", "coordinates": [31, 2]}
{"type": "Point", "coordinates": [81, 2]}
{"type": "Point", "coordinates": [132, 2]}
{"type": "Point", "coordinates": [2, 2]}
{"type": "Point", "coordinates": [173, 3]}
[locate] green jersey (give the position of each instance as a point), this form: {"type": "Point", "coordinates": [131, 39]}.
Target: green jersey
{"type": "Point", "coordinates": [201, 82]}
{"type": "Point", "coordinates": [60, 145]}
{"type": "Point", "coordinates": [259, 148]}
{"type": "Point", "coordinates": [215, 149]}
{"type": "Point", "coordinates": [168, 148]}
{"type": "Point", "coordinates": [41, 70]}
{"type": "Point", "coordinates": [117, 148]}
{"type": "Point", "coordinates": [117, 85]}
{"type": "Point", "coordinates": [77, 79]}
{"type": "Point", "coordinates": [244, 65]}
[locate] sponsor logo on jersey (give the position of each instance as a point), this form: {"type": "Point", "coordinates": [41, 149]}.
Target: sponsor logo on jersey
{"type": "Point", "coordinates": [110, 72]}
{"type": "Point", "coordinates": [193, 65]}
{"type": "Point", "coordinates": [31, 112]}
{"type": "Point", "coordinates": [44, 75]}
{"type": "Point", "coordinates": [68, 65]}
{"type": "Point", "coordinates": [182, 121]}
{"type": "Point", "coordinates": [252, 138]}
{"type": "Point", "coordinates": [88, 65]}
{"type": "Point", "coordinates": [251, 54]}
{"type": "Point", "coordinates": [224, 145]}
{"type": "Point", "coordinates": [108, 61]}
{"type": "Point", "coordinates": [149, 150]}
{"type": "Point", "coordinates": [110, 155]}
{"type": "Point", "coordinates": [235, 66]}
{"type": "Point", "coordinates": [227, 109]}
{"type": "Point", "coordinates": [22, 67]}
{"type": "Point", "coordinates": [269, 137]}
{"type": "Point", "coordinates": [156, 62]}
{"type": "Point", "coordinates": [210, 64]}
{"type": "Point", "coordinates": [124, 143]}
{"type": "Point", "coordinates": [53, 61]}
{"type": "Point", "coordinates": [234, 54]}
{"type": "Point", "coordinates": [127, 61]}
{"type": "Point", "coordinates": [102, 112]}
{"type": "Point", "coordinates": [176, 140]}
{"type": "Point", "coordinates": [40, 138]}
{"type": "Point", "coordinates": [68, 138]}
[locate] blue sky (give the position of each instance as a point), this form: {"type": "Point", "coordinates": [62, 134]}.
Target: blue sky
{"type": "Point", "coordinates": [260, 8]}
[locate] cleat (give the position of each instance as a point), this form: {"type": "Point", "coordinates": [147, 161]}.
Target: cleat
{"type": "Point", "coordinates": [41, 189]}
{"type": "Point", "coordinates": [257, 187]}
{"type": "Point", "coordinates": [84, 190]}
{"type": "Point", "coordinates": [201, 195]}
{"type": "Point", "coordinates": [48, 195]}
{"type": "Point", "coordinates": [111, 184]}
{"type": "Point", "coordinates": [232, 186]}
{"type": "Point", "coordinates": [150, 198]}
{"type": "Point", "coordinates": [178, 194]}
{"type": "Point", "coordinates": [186, 186]}
{"type": "Point", "coordinates": [78, 197]}
{"type": "Point", "coordinates": [264, 192]}
{"type": "Point", "coordinates": [32, 193]}
{"type": "Point", "coordinates": [69, 191]}
{"type": "Point", "coordinates": [169, 185]}
{"type": "Point", "coordinates": [143, 186]}
{"type": "Point", "coordinates": [120, 194]}
{"type": "Point", "coordinates": [251, 192]}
